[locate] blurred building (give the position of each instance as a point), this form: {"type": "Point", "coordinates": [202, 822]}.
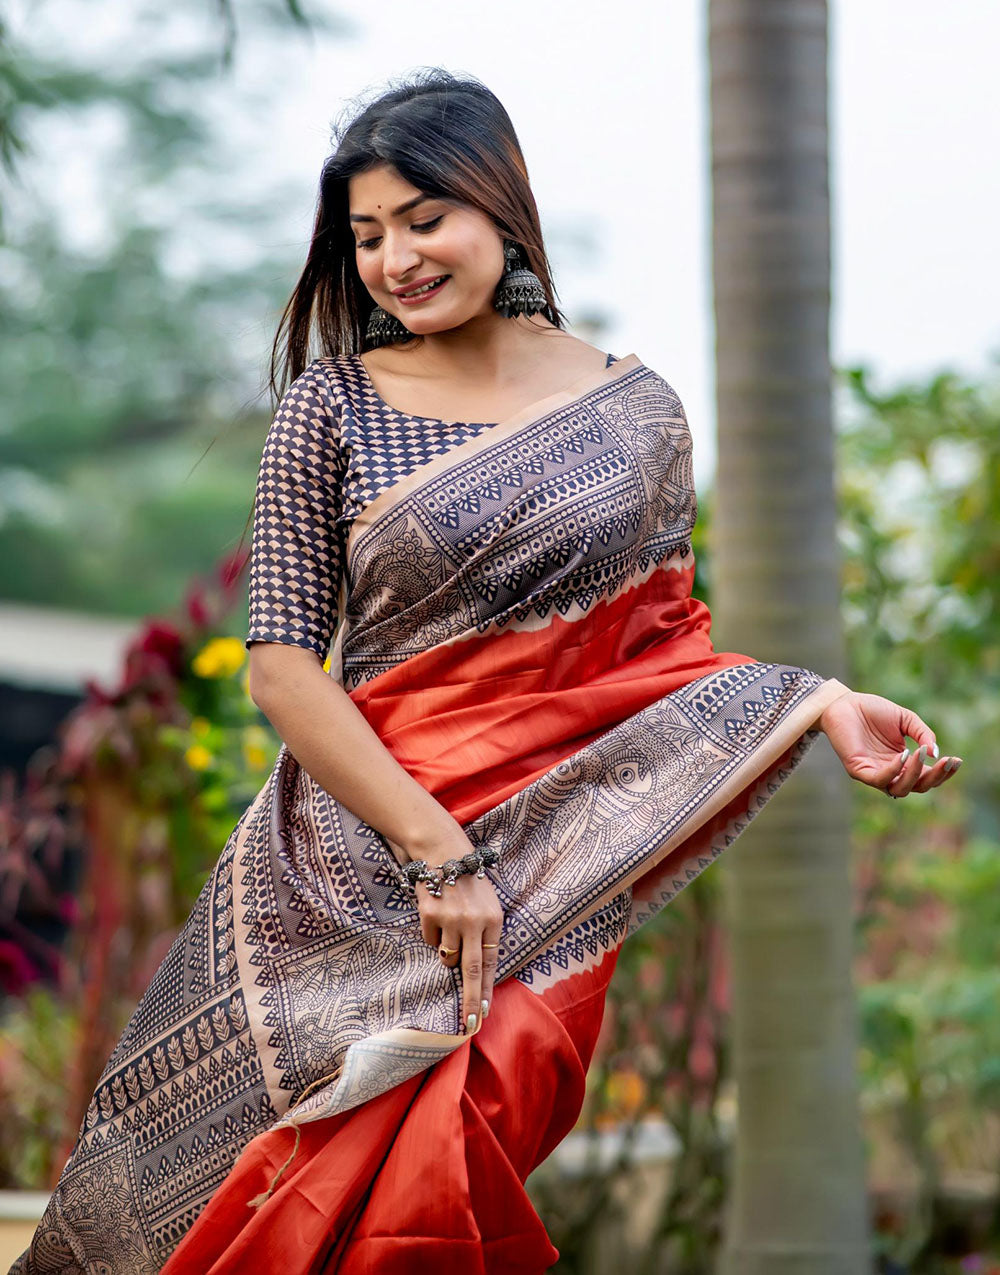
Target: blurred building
{"type": "Point", "coordinates": [46, 658]}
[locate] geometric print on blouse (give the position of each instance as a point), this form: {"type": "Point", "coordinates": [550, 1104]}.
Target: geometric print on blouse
{"type": "Point", "coordinates": [383, 444]}
{"type": "Point", "coordinates": [334, 445]}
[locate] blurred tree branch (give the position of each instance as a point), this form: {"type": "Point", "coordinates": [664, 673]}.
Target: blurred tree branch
{"type": "Point", "coordinates": [29, 82]}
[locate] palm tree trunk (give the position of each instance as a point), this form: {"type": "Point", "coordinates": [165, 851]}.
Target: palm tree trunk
{"type": "Point", "coordinates": [797, 1205]}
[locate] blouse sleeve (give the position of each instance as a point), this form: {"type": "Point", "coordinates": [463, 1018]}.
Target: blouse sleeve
{"type": "Point", "coordinates": [297, 554]}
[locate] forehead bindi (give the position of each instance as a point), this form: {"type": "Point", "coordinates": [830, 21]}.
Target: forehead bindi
{"type": "Point", "coordinates": [400, 210]}
{"type": "Point", "coordinates": [382, 193]}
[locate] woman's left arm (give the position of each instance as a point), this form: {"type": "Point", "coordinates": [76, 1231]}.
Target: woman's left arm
{"type": "Point", "coordinates": [868, 733]}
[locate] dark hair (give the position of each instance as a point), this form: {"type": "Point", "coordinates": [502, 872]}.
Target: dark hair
{"type": "Point", "coordinates": [446, 135]}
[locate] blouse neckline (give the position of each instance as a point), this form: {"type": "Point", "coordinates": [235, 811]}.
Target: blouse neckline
{"type": "Point", "coordinates": [434, 420]}
{"type": "Point", "coordinates": [413, 416]}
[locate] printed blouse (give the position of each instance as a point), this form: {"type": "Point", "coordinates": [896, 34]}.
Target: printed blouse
{"type": "Point", "coordinates": [333, 446]}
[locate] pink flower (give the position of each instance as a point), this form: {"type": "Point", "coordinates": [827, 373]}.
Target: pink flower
{"type": "Point", "coordinates": [16, 970]}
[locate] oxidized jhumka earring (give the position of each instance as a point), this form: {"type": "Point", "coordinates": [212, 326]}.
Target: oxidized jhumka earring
{"type": "Point", "coordinates": [384, 328]}
{"type": "Point", "coordinates": [520, 290]}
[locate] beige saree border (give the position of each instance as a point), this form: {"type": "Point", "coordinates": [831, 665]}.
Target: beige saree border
{"type": "Point", "coordinates": [404, 1052]}
{"type": "Point", "coordinates": [577, 389]}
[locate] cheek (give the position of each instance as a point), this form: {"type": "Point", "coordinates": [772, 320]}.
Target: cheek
{"type": "Point", "coordinates": [367, 269]}
{"type": "Point", "coordinates": [468, 246]}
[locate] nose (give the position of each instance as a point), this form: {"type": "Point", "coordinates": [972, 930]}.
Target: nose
{"type": "Point", "coordinates": [399, 258]}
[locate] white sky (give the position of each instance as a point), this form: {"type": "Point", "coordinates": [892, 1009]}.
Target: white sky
{"type": "Point", "coordinates": [610, 104]}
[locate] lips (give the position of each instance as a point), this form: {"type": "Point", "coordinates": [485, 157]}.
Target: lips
{"type": "Point", "coordinates": [424, 293]}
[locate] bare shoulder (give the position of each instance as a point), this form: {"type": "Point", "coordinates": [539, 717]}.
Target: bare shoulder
{"type": "Point", "coordinates": [386, 359]}
{"type": "Point", "coordinates": [570, 354]}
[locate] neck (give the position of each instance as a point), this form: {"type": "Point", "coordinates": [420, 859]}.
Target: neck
{"type": "Point", "coordinates": [484, 349]}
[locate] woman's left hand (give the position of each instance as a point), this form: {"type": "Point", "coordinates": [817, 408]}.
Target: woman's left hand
{"type": "Point", "coordinates": [868, 733]}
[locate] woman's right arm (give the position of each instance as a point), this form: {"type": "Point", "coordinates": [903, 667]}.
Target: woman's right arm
{"type": "Point", "coordinates": [295, 576]}
{"type": "Point", "coordinates": [330, 738]}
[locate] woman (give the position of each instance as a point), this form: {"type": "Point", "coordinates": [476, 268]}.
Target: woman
{"type": "Point", "coordinates": [347, 1066]}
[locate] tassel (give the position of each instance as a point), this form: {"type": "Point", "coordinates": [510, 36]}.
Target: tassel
{"type": "Point", "coordinates": [259, 1200]}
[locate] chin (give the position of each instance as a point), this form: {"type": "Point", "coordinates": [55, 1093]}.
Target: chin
{"type": "Point", "coordinates": [428, 326]}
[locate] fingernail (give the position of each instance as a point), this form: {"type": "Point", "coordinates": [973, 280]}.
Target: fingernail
{"type": "Point", "coordinates": [936, 753]}
{"type": "Point", "coordinates": [922, 753]}
{"type": "Point", "coordinates": [470, 1024]}
{"type": "Point", "coordinates": [954, 764]}
{"type": "Point", "coordinates": [904, 756]}
{"type": "Point", "coordinates": [485, 1007]}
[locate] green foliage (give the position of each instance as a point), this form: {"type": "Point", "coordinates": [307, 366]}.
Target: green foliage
{"type": "Point", "coordinates": [36, 1047]}
{"type": "Point", "coordinates": [124, 469]}
{"type": "Point", "coordinates": [32, 82]}
{"type": "Point", "coordinates": [107, 499]}
{"type": "Point", "coordinates": [920, 501]}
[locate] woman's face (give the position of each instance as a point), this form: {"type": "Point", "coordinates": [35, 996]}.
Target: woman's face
{"type": "Point", "coordinates": [401, 244]}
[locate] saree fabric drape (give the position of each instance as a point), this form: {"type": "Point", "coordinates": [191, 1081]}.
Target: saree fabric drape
{"type": "Point", "coordinates": [516, 623]}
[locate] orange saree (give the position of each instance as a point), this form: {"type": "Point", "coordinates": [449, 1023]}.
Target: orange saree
{"type": "Point", "coordinates": [517, 625]}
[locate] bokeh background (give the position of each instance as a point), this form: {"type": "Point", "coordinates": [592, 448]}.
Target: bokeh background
{"type": "Point", "coordinates": [159, 177]}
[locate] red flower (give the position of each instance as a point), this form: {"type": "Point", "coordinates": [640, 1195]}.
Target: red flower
{"type": "Point", "coordinates": [158, 649]}
{"type": "Point", "coordinates": [196, 607]}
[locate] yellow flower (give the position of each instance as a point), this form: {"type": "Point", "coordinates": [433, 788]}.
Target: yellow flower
{"type": "Point", "coordinates": [221, 657]}
{"type": "Point", "coordinates": [625, 1090]}
{"type": "Point", "coordinates": [200, 726]}
{"type": "Point", "coordinates": [198, 757]}
{"type": "Point", "coordinates": [256, 747]}
{"type": "Point", "coordinates": [255, 757]}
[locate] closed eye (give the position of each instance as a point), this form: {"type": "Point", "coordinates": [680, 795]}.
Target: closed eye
{"type": "Point", "coordinates": [424, 227]}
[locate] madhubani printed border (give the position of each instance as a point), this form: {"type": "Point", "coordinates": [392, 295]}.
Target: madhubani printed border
{"type": "Point", "coordinates": [568, 843]}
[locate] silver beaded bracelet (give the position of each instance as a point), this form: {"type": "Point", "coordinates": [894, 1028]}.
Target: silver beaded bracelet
{"type": "Point", "coordinates": [448, 873]}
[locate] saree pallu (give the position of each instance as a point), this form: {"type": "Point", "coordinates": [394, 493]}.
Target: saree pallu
{"type": "Point", "coordinates": [518, 628]}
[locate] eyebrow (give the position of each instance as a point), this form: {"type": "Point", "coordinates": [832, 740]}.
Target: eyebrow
{"type": "Point", "coordinates": [396, 212]}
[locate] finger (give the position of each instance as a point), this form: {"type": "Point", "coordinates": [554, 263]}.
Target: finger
{"type": "Point", "coordinates": [472, 981]}
{"type": "Point", "coordinates": [430, 931]}
{"type": "Point", "coordinates": [933, 776]}
{"type": "Point", "coordinates": [949, 766]}
{"type": "Point", "coordinates": [491, 937]}
{"type": "Point", "coordinates": [904, 769]}
{"type": "Point", "coordinates": [889, 776]}
{"type": "Point", "coordinates": [909, 774]}
{"type": "Point", "coordinates": [450, 947]}
{"type": "Point", "coordinates": [916, 728]}
{"type": "Point", "coordinates": [919, 773]}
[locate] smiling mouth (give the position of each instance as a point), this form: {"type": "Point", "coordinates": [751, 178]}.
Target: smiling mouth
{"type": "Point", "coordinates": [426, 291]}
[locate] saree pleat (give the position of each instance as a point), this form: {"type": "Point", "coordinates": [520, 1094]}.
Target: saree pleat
{"type": "Point", "coordinates": [517, 626]}
{"type": "Point", "coordinates": [428, 1174]}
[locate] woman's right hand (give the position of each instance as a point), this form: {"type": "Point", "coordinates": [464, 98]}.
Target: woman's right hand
{"type": "Point", "coordinates": [467, 916]}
